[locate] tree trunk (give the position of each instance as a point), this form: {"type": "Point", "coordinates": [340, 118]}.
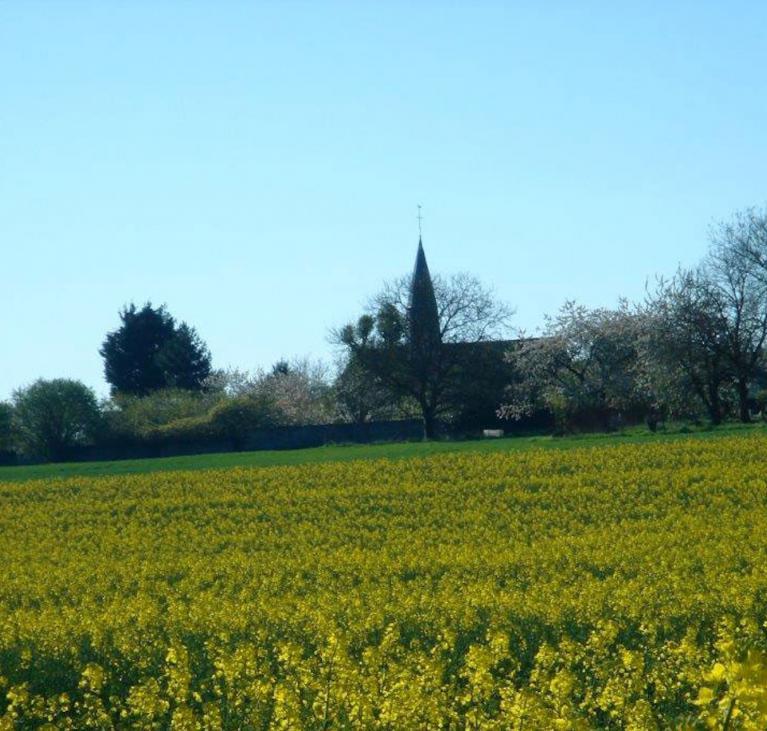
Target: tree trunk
{"type": "Point", "coordinates": [429, 423]}
{"type": "Point", "coordinates": [714, 404]}
{"type": "Point", "coordinates": [745, 414]}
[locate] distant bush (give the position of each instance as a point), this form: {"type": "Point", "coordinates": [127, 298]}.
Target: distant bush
{"type": "Point", "coordinates": [189, 430]}
{"type": "Point", "coordinates": [134, 418]}
{"type": "Point", "coordinates": [234, 418]}
{"type": "Point", "coordinates": [233, 405]}
{"type": "Point", "coordinates": [228, 421]}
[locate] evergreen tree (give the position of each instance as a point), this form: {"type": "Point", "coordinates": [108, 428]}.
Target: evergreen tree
{"type": "Point", "coordinates": [185, 359]}
{"type": "Point", "coordinates": [149, 352]}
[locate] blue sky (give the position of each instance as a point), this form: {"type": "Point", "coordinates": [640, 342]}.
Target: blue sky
{"type": "Point", "coordinates": [257, 167]}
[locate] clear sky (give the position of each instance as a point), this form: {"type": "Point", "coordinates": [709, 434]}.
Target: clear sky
{"type": "Point", "coordinates": [256, 166]}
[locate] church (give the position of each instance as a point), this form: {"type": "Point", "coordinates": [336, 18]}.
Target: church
{"type": "Point", "coordinates": [434, 350]}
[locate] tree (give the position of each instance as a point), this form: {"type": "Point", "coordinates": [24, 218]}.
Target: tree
{"type": "Point", "coordinates": [131, 353]}
{"type": "Point", "coordinates": [746, 233]}
{"type": "Point", "coordinates": [736, 269]}
{"type": "Point", "coordinates": [185, 359]}
{"type": "Point", "coordinates": [662, 382]}
{"type": "Point", "coordinates": [6, 427]}
{"type": "Point", "coordinates": [707, 326]}
{"type": "Point", "coordinates": [149, 352]}
{"type": "Point", "coordinates": [582, 365]}
{"type": "Point", "coordinates": [361, 397]}
{"type": "Point", "coordinates": [54, 416]}
{"type": "Point", "coordinates": [410, 338]}
{"type": "Point", "coordinates": [229, 382]}
{"type": "Point", "coordinates": [685, 337]}
{"type": "Point", "coordinates": [300, 391]}
{"type": "Point", "coordinates": [281, 368]}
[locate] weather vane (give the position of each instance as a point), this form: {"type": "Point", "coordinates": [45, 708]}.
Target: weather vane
{"type": "Point", "coordinates": [420, 218]}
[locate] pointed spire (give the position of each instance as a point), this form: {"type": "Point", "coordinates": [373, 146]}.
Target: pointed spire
{"type": "Point", "coordinates": [423, 314]}
{"type": "Point", "coordinates": [421, 270]}
{"type": "Point", "coordinates": [421, 275]}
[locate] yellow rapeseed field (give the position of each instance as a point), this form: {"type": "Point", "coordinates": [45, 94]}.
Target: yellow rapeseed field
{"type": "Point", "coordinates": [611, 587]}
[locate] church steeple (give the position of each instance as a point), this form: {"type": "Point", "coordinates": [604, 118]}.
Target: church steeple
{"type": "Point", "coordinates": [423, 314]}
{"type": "Point", "coordinates": [421, 271]}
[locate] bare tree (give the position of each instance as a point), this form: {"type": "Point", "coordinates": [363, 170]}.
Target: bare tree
{"type": "Point", "coordinates": [468, 311]}
{"type": "Point", "coordinates": [736, 267]}
{"type": "Point", "coordinates": [746, 233]}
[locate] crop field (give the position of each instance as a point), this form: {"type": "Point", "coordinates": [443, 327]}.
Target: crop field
{"type": "Point", "coordinates": [615, 586]}
{"type": "Point", "coordinates": [347, 452]}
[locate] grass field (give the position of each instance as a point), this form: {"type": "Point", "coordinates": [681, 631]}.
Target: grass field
{"type": "Point", "coordinates": [396, 450]}
{"type": "Point", "coordinates": [616, 583]}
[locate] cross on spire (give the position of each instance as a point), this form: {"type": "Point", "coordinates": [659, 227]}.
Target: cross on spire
{"type": "Point", "coordinates": [420, 218]}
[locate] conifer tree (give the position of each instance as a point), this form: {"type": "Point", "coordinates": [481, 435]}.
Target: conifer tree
{"type": "Point", "coordinates": [149, 351]}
